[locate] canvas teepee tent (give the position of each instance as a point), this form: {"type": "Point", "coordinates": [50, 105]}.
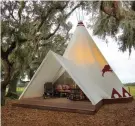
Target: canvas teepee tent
{"type": "Point", "coordinates": [85, 64]}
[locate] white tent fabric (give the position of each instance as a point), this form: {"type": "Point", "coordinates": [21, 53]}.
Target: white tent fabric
{"type": "Point", "coordinates": [45, 73]}
{"type": "Point", "coordinates": [84, 63]}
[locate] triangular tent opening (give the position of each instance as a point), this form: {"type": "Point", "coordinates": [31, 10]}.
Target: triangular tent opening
{"type": "Point", "coordinates": [34, 90]}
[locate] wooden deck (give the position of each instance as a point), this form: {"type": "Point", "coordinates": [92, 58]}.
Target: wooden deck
{"type": "Point", "coordinates": [57, 104]}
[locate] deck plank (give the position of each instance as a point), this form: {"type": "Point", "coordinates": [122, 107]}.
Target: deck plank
{"type": "Point", "coordinates": [57, 104]}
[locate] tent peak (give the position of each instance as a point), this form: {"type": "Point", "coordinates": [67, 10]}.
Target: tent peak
{"type": "Point", "coordinates": [80, 23]}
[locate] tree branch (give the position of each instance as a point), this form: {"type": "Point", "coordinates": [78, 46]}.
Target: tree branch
{"type": "Point", "coordinates": [12, 47]}
{"type": "Point", "coordinates": [133, 5]}
{"type": "Point", "coordinates": [48, 13]}
{"type": "Point", "coordinates": [3, 54]}
{"type": "Point", "coordinates": [51, 34]}
{"type": "Point", "coordinates": [11, 13]}
{"type": "Point", "coordinates": [111, 11]}
{"type": "Point", "coordinates": [73, 10]}
{"type": "Point", "coordinates": [13, 17]}
{"type": "Point", "coordinates": [22, 5]}
{"type": "Point", "coordinates": [43, 19]}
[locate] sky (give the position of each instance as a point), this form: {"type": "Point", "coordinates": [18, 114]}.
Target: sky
{"type": "Point", "coordinates": [121, 63]}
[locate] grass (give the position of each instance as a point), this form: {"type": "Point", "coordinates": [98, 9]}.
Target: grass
{"type": "Point", "coordinates": [131, 90]}
{"type": "Point", "coordinates": [20, 90]}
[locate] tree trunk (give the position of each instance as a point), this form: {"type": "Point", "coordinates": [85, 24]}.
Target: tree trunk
{"type": "Point", "coordinates": [3, 92]}
{"type": "Point", "coordinates": [12, 87]}
{"type": "Point", "coordinates": [7, 70]}
{"type": "Point", "coordinates": [31, 74]}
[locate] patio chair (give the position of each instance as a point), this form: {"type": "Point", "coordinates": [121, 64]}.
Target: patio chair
{"type": "Point", "coordinates": [48, 90]}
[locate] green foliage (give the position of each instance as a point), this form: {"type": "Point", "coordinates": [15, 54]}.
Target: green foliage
{"type": "Point", "coordinates": [29, 29]}
{"type": "Point", "coordinates": [106, 25]}
{"type": "Point", "coordinates": [131, 89]}
{"type": "Point", "coordinates": [20, 90]}
{"type": "Point", "coordinates": [111, 19]}
{"type": "Point", "coordinates": [127, 39]}
{"type": "Point", "coordinates": [130, 84]}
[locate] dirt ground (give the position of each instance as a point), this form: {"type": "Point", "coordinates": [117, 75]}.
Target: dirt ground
{"type": "Point", "coordinates": [108, 115]}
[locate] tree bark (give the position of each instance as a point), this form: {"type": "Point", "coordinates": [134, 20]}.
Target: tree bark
{"type": "Point", "coordinates": [3, 92]}
{"type": "Point", "coordinates": [133, 5]}
{"type": "Point", "coordinates": [111, 11]}
{"type": "Point", "coordinates": [13, 85]}
{"type": "Point", "coordinates": [31, 74]}
{"type": "Point", "coordinates": [7, 70]}
{"type": "Point", "coordinates": [12, 88]}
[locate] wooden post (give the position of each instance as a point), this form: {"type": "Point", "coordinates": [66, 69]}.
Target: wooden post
{"type": "Point", "coordinates": [129, 89]}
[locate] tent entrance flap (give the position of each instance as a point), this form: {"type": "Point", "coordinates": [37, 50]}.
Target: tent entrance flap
{"type": "Point", "coordinates": [45, 73]}
{"type": "Point", "coordinates": [52, 65]}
